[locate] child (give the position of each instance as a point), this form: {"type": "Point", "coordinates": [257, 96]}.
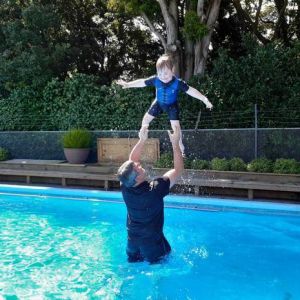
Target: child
{"type": "Point", "coordinates": [167, 87]}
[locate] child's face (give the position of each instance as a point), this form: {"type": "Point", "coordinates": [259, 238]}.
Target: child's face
{"type": "Point", "coordinates": [165, 74]}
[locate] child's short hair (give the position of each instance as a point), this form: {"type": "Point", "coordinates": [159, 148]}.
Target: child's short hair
{"type": "Point", "coordinates": [164, 61]}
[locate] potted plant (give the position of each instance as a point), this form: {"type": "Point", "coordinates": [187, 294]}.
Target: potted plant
{"type": "Point", "coordinates": [77, 145]}
{"type": "Point", "coordinates": [4, 154]}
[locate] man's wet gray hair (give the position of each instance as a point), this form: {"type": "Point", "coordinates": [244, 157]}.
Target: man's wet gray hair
{"type": "Point", "coordinates": [127, 174]}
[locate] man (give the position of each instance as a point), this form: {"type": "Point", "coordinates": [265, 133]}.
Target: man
{"type": "Point", "coordinates": [144, 201]}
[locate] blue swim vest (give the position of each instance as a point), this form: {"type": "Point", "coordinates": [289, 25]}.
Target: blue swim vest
{"type": "Point", "coordinates": [167, 93]}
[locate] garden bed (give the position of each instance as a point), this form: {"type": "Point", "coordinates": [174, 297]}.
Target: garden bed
{"type": "Point", "coordinates": [249, 184]}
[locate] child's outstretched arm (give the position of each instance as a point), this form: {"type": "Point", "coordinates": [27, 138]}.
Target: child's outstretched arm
{"type": "Point", "coordinates": [131, 84]}
{"type": "Point", "coordinates": [196, 94]}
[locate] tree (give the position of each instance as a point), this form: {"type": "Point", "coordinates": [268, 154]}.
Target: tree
{"type": "Point", "coordinates": [228, 33]}
{"type": "Point", "coordinates": [183, 27]}
{"type": "Point", "coordinates": [104, 43]}
{"type": "Point", "coordinates": [270, 20]}
{"type": "Point", "coordinates": [267, 75]}
{"type": "Point", "coordinates": [44, 39]}
{"type": "Point", "coordinates": [33, 49]}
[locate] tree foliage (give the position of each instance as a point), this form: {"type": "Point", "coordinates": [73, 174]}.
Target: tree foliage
{"type": "Point", "coordinates": [32, 50]}
{"type": "Point", "coordinates": [271, 20]}
{"type": "Point", "coordinates": [41, 40]}
{"type": "Point", "coordinates": [193, 29]}
{"type": "Point", "coordinates": [184, 28]}
{"type": "Point", "coordinates": [56, 56]}
{"type": "Point", "coordinates": [265, 75]}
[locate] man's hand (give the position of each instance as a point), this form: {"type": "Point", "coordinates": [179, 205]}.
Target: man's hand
{"type": "Point", "coordinates": [137, 150]}
{"type": "Point", "coordinates": [175, 136]}
{"type": "Point", "coordinates": [143, 133]}
{"type": "Point", "coordinates": [174, 173]}
{"type": "Point", "coordinates": [122, 83]}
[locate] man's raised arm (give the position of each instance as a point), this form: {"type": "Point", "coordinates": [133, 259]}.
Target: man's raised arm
{"type": "Point", "coordinates": [177, 157]}
{"type": "Point", "coordinates": [137, 150]}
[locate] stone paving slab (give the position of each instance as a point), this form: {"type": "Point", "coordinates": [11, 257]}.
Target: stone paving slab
{"type": "Point", "coordinates": [33, 161]}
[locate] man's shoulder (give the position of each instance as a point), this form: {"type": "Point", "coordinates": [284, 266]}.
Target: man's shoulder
{"type": "Point", "coordinates": [162, 179]}
{"type": "Point", "coordinates": [159, 182]}
{"type": "Point", "coordinates": [142, 187]}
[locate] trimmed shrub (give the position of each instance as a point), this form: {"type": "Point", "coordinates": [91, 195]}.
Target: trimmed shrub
{"type": "Point", "coordinates": [286, 166]}
{"type": "Point", "coordinates": [237, 164]}
{"type": "Point", "coordinates": [77, 139]}
{"type": "Point", "coordinates": [4, 154]}
{"type": "Point", "coordinates": [220, 164]}
{"type": "Point", "coordinates": [200, 164]}
{"type": "Point", "coordinates": [187, 163]}
{"type": "Point", "coordinates": [261, 165]}
{"type": "Point", "coordinates": [165, 161]}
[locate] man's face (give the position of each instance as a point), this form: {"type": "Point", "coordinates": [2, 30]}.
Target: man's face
{"type": "Point", "coordinates": [165, 74]}
{"type": "Point", "coordinates": [140, 171]}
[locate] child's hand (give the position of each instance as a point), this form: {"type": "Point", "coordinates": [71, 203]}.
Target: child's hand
{"type": "Point", "coordinates": [209, 105]}
{"type": "Point", "coordinates": [122, 83]}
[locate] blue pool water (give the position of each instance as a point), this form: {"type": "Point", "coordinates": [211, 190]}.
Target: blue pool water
{"type": "Point", "coordinates": [56, 245]}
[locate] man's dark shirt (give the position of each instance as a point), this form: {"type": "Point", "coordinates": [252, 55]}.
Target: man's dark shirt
{"type": "Point", "coordinates": [145, 209]}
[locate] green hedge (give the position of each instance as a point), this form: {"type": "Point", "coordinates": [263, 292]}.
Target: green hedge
{"type": "Point", "coordinates": [220, 164]}
{"type": "Point", "coordinates": [4, 154]}
{"type": "Point", "coordinates": [237, 164]}
{"type": "Point", "coordinates": [260, 165]}
{"type": "Point", "coordinates": [200, 164]}
{"type": "Point", "coordinates": [286, 166]}
{"type": "Point", "coordinates": [165, 161]}
{"type": "Point", "coordinates": [77, 102]}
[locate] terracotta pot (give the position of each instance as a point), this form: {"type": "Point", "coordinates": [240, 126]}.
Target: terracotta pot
{"type": "Point", "coordinates": [76, 156]}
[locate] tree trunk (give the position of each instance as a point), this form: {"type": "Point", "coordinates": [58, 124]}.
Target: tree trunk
{"type": "Point", "coordinates": [189, 56]}
{"type": "Point", "coordinates": [201, 53]}
{"type": "Point", "coordinates": [193, 59]}
{"type": "Point", "coordinates": [281, 29]}
{"type": "Point", "coordinates": [170, 15]}
{"type": "Point", "coordinates": [247, 23]}
{"type": "Point", "coordinates": [202, 47]}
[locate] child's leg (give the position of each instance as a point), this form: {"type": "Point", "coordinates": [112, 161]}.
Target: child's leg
{"type": "Point", "coordinates": [153, 112]}
{"type": "Point", "coordinates": [176, 123]}
{"type": "Point", "coordinates": [147, 119]}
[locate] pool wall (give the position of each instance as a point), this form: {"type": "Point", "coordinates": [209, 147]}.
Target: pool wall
{"type": "Point", "coordinates": [175, 201]}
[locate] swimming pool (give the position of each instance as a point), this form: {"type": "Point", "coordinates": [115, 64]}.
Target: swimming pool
{"type": "Point", "coordinates": [54, 244]}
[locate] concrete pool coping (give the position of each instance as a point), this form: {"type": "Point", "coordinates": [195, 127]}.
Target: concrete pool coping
{"type": "Point", "coordinates": [206, 182]}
